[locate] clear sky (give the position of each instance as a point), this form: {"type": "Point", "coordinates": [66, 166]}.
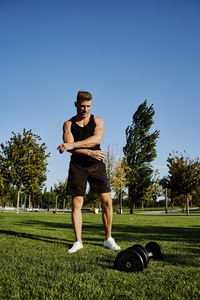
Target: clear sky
{"type": "Point", "coordinates": [123, 52]}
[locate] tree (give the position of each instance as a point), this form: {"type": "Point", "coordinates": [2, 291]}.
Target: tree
{"type": "Point", "coordinates": [91, 198]}
{"type": "Point", "coordinates": [156, 186]}
{"type": "Point", "coordinates": [119, 181]}
{"type": "Point", "coordinates": [1, 186]}
{"type": "Point", "coordinates": [165, 183]}
{"type": "Point", "coordinates": [23, 162]}
{"type": "Point", "coordinates": [45, 199]}
{"type": "Point", "coordinates": [184, 175]}
{"type": "Point", "coordinates": [110, 161]}
{"type": "Point", "coordinates": [153, 191]}
{"type": "Point", "coordinates": [60, 190]}
{"type": "Point", "coordinates": [48, 198]}
{"type": "Point", "coordinates": [140, 151]}
{"type": "Point", "coordinates": [4, 190]}
{"type": "Point", "coordinates": [196, 196]}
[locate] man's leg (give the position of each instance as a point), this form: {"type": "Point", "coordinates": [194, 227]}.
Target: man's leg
{"type": "Point", "coordinates": [77, 202]}
{"type": "Point", "coordinates": [77, 223]}
{"type": "Point", "coordinates": [107, 216]}
{"type": "Point", "coordinates": [107, 212]}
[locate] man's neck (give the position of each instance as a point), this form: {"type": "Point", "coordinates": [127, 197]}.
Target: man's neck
{"type": "Point", "coordinates": [82, 121]}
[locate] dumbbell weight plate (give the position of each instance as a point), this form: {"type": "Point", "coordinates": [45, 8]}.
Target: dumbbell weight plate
{"type": "Point", "coordinates": [143, 252]}
{"type": "Point", "coordinates": [155, 249]}
{"type": "Point", "coordinates": [129, 260]}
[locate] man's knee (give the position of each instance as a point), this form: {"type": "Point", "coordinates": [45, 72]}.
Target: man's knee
{"type": "Point", "coordinates": [77, 202]}
{"type": "Point", "coordinates": [106, 200]}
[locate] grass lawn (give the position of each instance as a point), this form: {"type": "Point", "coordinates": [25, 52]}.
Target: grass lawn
{"type": "Point", "coordinates": [34, 263]}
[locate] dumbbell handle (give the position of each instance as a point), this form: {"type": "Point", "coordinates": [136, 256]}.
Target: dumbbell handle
{"type": "Point", "coordinates": [150, 254]}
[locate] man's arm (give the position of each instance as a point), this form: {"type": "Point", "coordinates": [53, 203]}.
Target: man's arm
{"type": "Point", "coordinates": [97, 154]}
{"type": "Point", "coordinates": [92, 141]}
{"type": "Point", "coordinates": [67, 134]}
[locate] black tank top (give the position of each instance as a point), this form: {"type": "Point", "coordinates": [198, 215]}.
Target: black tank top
{"type": "Point", "coordinates": [81, 133]}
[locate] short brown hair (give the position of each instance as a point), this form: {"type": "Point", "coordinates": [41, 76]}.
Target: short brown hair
{"type": "Point", "coordinates": [83, 95]}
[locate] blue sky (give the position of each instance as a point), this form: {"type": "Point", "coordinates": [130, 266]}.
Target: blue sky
{"type": "Point", "coordinates": [123, 52]}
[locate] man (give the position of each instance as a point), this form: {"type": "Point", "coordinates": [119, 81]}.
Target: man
{"type": "Point", "coordinates": [82, 136]}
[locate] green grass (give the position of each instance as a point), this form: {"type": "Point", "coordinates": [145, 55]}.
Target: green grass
{"type": "Point", "coordinates": [34, 263]}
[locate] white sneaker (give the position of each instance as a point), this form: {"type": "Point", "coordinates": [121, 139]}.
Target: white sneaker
{"type": "Point", "coordinates": [110, 244]}
{"type": "Point", "coordinates": [77, 246]}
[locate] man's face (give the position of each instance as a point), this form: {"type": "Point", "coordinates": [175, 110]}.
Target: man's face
{"type": "Point", "coordinates": [83, 108]}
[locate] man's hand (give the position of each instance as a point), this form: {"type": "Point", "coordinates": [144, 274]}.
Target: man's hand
{"type": "Point", "coordinates": [97, 154]}
{"type": "Point", "coordinates": [65, 147]}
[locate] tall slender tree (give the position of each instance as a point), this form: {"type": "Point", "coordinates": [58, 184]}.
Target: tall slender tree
{"type": "Point", "coordinates": [140, 151]}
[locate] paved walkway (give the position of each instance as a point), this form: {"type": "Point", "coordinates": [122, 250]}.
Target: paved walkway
{"type": "Point", "coordinates": [159, 212]}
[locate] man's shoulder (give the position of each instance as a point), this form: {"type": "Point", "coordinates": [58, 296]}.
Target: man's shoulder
{"type": "Point", "coordinates": [68, 123]}
{"type": "Point", "coordinates": [98, 120]}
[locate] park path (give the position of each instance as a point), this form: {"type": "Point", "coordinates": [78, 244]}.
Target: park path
{"type": "Point", "coordinates": [158, 212]}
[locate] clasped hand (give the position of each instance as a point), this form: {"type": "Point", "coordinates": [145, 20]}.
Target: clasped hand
{"type": "Point", "coordinates": [65, 147]}
{"type": "Point", "coordinates": [97, 154]}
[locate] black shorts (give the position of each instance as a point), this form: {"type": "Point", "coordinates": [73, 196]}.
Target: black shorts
{"type": "Point", "coordinates": [94, 173]}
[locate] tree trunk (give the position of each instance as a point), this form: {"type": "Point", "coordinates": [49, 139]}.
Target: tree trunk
{"type": "Point", "coordinates": [187, 201]}
{"type": "Point", "coordinates": [56, 204]}
{"type": "Point", "coordinates": [64, 205]}
{"type": "Point", "coordinates": [120, 203]}
{"type": "Point", "coordinates": [18, 196]}
{"type": "Point", "coordinates": [131, 206]}
{"type": "Point", "coordinates": [142, 205]}
{"type": "Point", "coordinates": [25, 202]}
{"type": "Point", "coordinates": [166, 202]}
{"type": "Point", "coordinates": [49, 202]}
{"type": "Point", "coordinates": [29, 201]}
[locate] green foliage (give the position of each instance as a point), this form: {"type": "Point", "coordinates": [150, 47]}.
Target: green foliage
{"type": "Point", "coordinates": [153, 191]}
{"type": "Point", "coordinates": [1, 184]}
{"type": "Point", "coordinates": [196, 196]}
{"type": "Point", "coordinates": [61, 191]}
{"type": "Point", "coordinates": [139, 152]}
{"type": "Point", "coordinates": [48, 199]}
{"type": "Point", "coordinates": [156, 186]}
{"type": "Point", "coordinates": [165, 183]}
{"type": "Point", "coordinates": [12, 196]}
{"type": "Point", "coordinates": [34, 262]}
{"type": "Point", "coordinates": [23, 161]}
{"type": "Point", "coordinates": [91, 199]}
{"type": "Point", "coordinates": [4, 190]}
{"type": "Point", "coordinates": [184, 176]}
{"type": "Point", "coordinates": [119, 179]}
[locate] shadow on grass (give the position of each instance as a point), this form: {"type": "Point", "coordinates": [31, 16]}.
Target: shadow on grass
{"type": "Point", "coordinates": [181, 259]}
{"type": "Point", "coordinates": [124, 232]}
{"type": "Point", "coordinates": [47, 225]}
{"type": "Point", "coordinates": [106, 262]}
{"type": "Point", "coordinates": [35, 237]}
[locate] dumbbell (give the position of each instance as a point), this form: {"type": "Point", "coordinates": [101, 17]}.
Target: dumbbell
{"type": "Point", "coordinates": [136, 258]}
{"type": "Point", "coordinates": [151, 250]}
{"type": "Point", "coordinates": [129, 260]}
